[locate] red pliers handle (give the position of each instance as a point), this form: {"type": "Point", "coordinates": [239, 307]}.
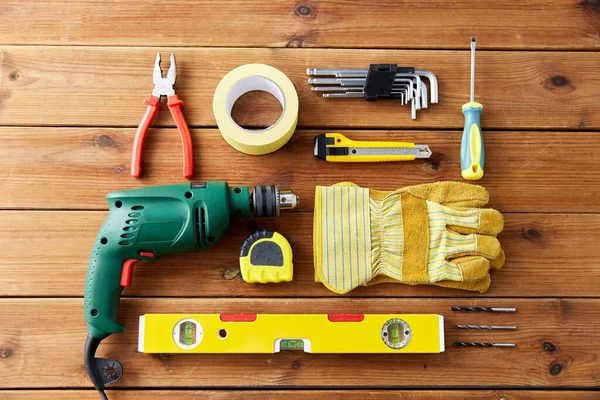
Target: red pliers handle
{"type": "Point", "coordinates": [175, 105]}
{"type": "Point", "coordinates": [163, 87]}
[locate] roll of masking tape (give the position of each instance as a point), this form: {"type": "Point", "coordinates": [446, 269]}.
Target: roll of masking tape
{"type": "Point", "coordinates": [248, 78]}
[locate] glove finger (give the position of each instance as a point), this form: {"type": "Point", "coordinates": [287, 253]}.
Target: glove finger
{"type": "Point", "coordinates": [484, 246]}
{"type": "Point", "coordinates": [466, 273]}
{"type": "Point", "coordinates": [456, 194]}
{"type": "Point", "coordinates": [475, 272]}
{"type": "Point", "coordinates": [489, 222]}
{"type": "Point", "coordinates": [481, 285]}
{"type": "Point", "coordinates": [498, 262]}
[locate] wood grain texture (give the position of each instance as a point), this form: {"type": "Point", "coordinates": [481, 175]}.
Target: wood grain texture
{"type": "Point", "coordinates": [73, 75]}
{"type": "Point", "coordinates": [51, 332]}
{"type": "Point", "coordinates": [100, 86]}
{"type": "Point", "coordinates": [547, 255]}
{"type": "Point", "coordinates": [74, 168]}
{"type": "Point", "coordinates": [367, 394]}
{"type": "Point", "coordinates": [557, 24]}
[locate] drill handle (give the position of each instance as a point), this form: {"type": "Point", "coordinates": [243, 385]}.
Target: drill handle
{"type": "Point", "coordinates": [103, 291]}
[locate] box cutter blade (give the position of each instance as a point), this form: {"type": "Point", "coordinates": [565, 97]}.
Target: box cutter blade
{"type": "Point", "coordinates": [335, 147]}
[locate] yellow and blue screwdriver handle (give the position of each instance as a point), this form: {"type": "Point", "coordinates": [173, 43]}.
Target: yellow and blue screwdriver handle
{"type": "Point", "coordinates": [335, 147]}
{"type": "Point", "coordinates": [471, 148]}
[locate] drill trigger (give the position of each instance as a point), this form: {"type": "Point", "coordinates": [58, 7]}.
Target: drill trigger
{"type": "Point", "coordinates": [127, 272]}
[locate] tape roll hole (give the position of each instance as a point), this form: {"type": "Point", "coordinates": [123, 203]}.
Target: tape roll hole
{"type": "Point", "coordinates": [255, 98]}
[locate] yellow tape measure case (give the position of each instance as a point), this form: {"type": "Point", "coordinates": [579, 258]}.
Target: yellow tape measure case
{"type": "Point", "coordinates": [266, 257]}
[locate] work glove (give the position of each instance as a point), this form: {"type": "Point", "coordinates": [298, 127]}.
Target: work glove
{"type": "Point", "coordinates": [425, 234]}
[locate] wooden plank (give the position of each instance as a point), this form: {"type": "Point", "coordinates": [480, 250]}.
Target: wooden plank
{"type": "Point", "coordinates": [305, 394]}
{"type": "Point", "coordinates": [557, 24]}
{"type": "Point", "coordinates": [62, 168]}
{"type": "Point", "coordinates": [51, 332]}
{"type": "Point", "coordinates": [547, 255]}
{"type": "Point", "coordinates": [100, 86]}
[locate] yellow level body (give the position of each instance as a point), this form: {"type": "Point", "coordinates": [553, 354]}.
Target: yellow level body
{"type": "Point", "coordinates": [271, 333]}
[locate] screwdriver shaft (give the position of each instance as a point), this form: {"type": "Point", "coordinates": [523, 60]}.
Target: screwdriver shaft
{"type": "Point", "coordinates": [489, 327]}
{"type": "Point", "coordinates": [473, 44]}
{"type": "Point", "coordinates": [483, 344]}
{"type": "Point", "coordinates": [483, 309]}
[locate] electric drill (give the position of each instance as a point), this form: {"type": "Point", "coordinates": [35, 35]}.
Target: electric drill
{"type": "Point", "coordinates": [147, 223]}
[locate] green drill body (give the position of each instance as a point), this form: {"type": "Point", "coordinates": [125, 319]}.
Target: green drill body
{"type": "Point", "coordinates": [147, 223]}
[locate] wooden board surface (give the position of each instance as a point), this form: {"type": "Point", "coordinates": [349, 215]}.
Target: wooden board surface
{"type": "Point", "coordinates": [366, 394]}
{"type": "Point", "coordinates": [90, 86]}
{"type": "Point", "coordinates": [556, 24]}
{"type": "Point", "coordinates": [76, 167]}
{"type": "Point", "coordinates": [547, 353]}
{"type": "Point", "coordinates": [73, 76]}
{"type": "Point", "coordinates": [540, 249]}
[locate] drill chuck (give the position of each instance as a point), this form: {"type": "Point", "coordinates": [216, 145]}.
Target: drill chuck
{"type": "Point", "coordinates": [268, 200]}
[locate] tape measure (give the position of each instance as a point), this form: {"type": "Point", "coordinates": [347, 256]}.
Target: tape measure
{"type": "Point", "coordinates": [266, 256]}
{"type": "Point", "coordinates": [272, 333]}
{"type": "Point", "coordinates": [248, 78]}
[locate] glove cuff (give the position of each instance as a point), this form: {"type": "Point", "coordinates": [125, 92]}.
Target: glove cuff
{"type": "Point", "coordinates": [341, 237]}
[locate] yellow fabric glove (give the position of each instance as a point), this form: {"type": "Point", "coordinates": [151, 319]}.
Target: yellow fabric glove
{"type": "Point", "coordinates": [425, 234]}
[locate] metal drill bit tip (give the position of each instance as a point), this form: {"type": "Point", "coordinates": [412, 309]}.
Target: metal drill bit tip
{"type": "Point", "coordinates": [483, 309]}
{"type": "Point", "coordinates": [483, 344]}
{"type": "Point", "coordinates": [489, 327]}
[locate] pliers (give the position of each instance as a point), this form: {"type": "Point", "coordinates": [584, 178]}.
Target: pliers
{"type": "Point", "coordinates": [163, 87]}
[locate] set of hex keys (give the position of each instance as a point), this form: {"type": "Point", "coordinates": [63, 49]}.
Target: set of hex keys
{"type": "Point", "coordinates": [405, 86]}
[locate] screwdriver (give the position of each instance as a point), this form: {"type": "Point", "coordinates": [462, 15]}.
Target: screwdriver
{"type": "Point", "coordinates": [471, 147]}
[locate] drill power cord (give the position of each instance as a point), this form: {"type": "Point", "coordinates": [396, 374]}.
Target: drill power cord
{"type": "Point", "coordinates": [101, 371]}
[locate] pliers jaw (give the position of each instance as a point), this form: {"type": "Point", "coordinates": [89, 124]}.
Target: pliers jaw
{"type": "Point", "coordinates": [164, 86]}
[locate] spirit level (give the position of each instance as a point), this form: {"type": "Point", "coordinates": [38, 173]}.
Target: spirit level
{"type": "Point", "coordinates": [311, 333]}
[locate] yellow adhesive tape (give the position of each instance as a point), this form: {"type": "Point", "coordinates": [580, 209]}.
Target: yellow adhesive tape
{"type": "Point", "coordinates": [248, 78]}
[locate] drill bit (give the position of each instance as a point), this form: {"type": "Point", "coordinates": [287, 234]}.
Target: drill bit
{"type": "Point", "coordinates": [483, 309]}
{"type": "Point", "coordinates": [489, 327]}
{"type": "Point", "coordinates": [483, 344]}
